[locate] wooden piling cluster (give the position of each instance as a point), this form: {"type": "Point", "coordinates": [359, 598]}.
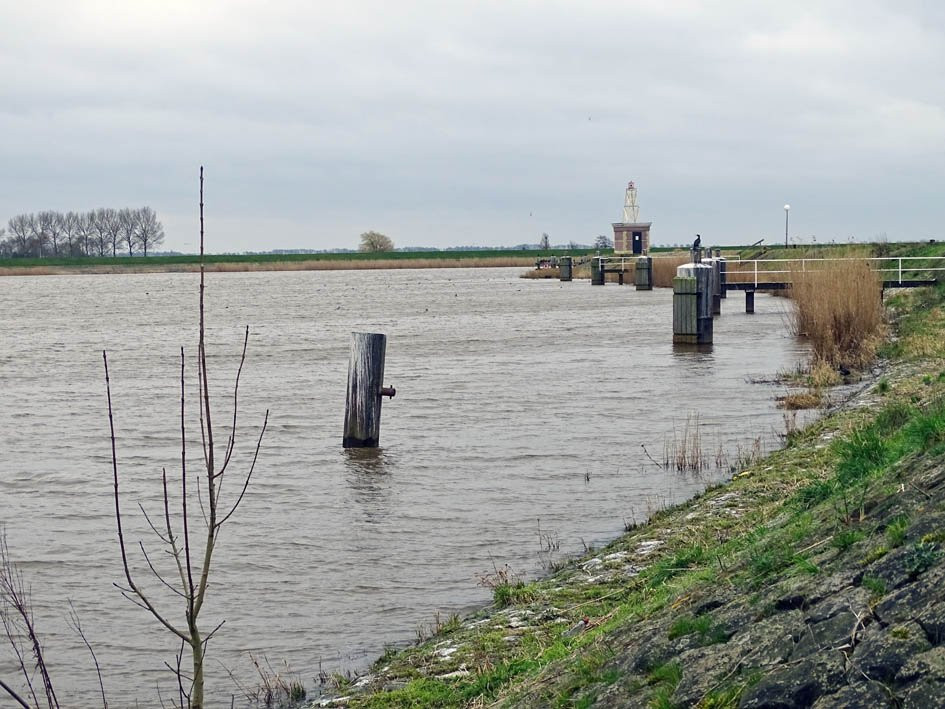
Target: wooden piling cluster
{"type": "Point", "coordinates": [692, 303]}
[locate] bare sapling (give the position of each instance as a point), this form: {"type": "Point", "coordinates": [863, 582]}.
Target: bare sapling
{"type": "Point", "coordinates": [187, 538]}
{"type": "Point", "coordinates": [16, 615]}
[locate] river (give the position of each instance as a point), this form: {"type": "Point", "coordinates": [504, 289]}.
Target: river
{"type": "Point", "coordinates": [516, 437]}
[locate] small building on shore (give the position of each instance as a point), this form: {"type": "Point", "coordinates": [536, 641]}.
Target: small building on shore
{"type": "Point", "coordinates": [631, 236]}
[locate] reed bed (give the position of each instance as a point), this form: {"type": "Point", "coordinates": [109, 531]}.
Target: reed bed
{"type": "Point", "coordinates": [664, 268]}
{"type": "Point", "coordinates": [684, 452]}
{"type": "Point", "coordinates": [241, 266]}
{"type": "Point", "coordinates": [838, 307]}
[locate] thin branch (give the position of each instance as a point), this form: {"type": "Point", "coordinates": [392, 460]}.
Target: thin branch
{"type": "Point", "coordinates": [183, 487]}
{"type": "Point", "coordinates": [212, 633]}
{"type": "Point", "coordinates": [249, 475]}
{"type": "Point", "coordinates": [156, 573]}
{"type": "Point", "coordinates": [77, 627]}
{"type": "Point", "coordinates": [175, 551]}
{"type": "Point", "coordinates": [121, 537]}
{"type": "Point", "coordinates": [9, 690]}
{"type": "Point", "coordinates": [154, 529]}
{"type": "Point", "coordinates": [236, 387]}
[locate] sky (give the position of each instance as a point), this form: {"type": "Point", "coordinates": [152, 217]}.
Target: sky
{"type": "Point", "coordinates": [455, 123]}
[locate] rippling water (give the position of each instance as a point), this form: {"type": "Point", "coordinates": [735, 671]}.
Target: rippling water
{"type": "Point", "coordinates": [520, 414]}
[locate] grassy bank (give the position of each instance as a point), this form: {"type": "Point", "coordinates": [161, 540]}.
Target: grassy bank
{"type": "Point", "coordinates": [812, 575]}
{"type": "Point", "coordinates": [275, 262]}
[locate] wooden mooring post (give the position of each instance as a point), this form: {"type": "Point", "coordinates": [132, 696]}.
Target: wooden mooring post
{"type": "Point", "coordinates": [749, 301]}
{"type": "Point", "coordinates": [643, 277]}
{"type": "Point", "coordinates": [365, 389]}
{"type": "Point", "coordinates": [565, 266]}
{"type": "Point", "coordinates": [597, 271]}
{"type": "Point", "coordinates": [692, 304]}
{"type": "Point", "coordinates": [715, 283]}
{"type": "Point", "coordinates": [723, 275]}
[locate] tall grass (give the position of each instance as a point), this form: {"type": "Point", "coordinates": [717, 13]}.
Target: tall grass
{"type": "Point", "coordinates": [839, 309]}
{"type": "Point", "coordinates": [664, 268]}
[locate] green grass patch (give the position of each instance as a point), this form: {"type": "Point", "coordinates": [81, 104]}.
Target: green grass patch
{"type": "Point", "coordinates": [896, 530]}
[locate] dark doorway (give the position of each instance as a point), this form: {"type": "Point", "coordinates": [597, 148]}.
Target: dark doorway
{"type": "Point", "coordinates": [638, 242]}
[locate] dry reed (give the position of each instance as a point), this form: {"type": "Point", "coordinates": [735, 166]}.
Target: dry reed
{"type": "Point", "coordinates": [838, 307]}
{"type": "Point", "coordinates": [664, 268]}
{"type": "Point", "coordinates": [685, 452]}
{"type": "Point", "coordinates": [542, 273]}
{"type": "Point", "coordinates": [238, 266]}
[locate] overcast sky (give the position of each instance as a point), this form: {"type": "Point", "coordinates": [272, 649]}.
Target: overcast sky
{"type": "Point", "coordinates": [448, 123]}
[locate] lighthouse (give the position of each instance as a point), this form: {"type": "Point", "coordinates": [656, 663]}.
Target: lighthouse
{"type": "Point", "coordinates": [631, 236]}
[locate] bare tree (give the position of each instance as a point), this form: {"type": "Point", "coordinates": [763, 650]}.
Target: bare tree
{"type": "Point", "coordinates": [374, 241]}
{"type": "Point", "coordinates": [603, 242]}
{"type": "Point", "coordinates": [112, 225]}
{"type": "Point", "coordinates": [49, 224]}
{"type": "Point", "coordinates": [128, 224]}
{"type": "Point", "coordinates": [191, 557]}
{"type": "Point", "coordinates": [545, 242]}
{"type": "Point", "coordinates": [85, 232]}
{"type": "Point", "coordinates": [100, 227]}
{"type": "Point", "coordinates": [21, 231]}
{"type": "Point", "coordinates": [150, 230]}
{"type": "Point", "coordinates": [70, 230]}
{"type": "Point", "coordinates": [38, 235]}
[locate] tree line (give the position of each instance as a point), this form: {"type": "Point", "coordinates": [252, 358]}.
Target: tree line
{"type": "Point", "coordinates": [99, 232]}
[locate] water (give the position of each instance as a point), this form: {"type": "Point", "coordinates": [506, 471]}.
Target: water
{"type": "Point", "coordinates": [521, 412]}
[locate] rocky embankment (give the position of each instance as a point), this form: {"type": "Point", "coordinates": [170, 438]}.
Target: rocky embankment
{"type": "Point", "coordinates": [813, 579]}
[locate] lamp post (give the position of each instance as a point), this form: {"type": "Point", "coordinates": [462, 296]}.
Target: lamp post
{"type": "Point", "coordinates": [787, 208]}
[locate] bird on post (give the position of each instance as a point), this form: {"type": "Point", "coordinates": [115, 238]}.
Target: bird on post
{"type": "Point", "coordinates": [697, 243]}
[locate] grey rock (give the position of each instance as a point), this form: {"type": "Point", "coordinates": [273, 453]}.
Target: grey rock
{"type": "Point", "coordinates": [891, 569]}
{"type": "Point", "coordinates": [883, 651]}
{"type": "Point", "coordinates": [930, 664]}
{"type": "Point", "coordinates": [854, 696]}
{"type": "Point", "coordinates": [832, 633]}
{"type": "Point", "coordinates": [797, 685]}
{"type": "Point", "coordinates": [771, 641]}
{"type": "Point", "coordinates": [703, 668]}
{"type": "Point", "coordinates": [924, 694]}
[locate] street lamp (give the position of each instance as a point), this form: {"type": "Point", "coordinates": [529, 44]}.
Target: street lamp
{"type": "Point", "coordinates": [787, 208]}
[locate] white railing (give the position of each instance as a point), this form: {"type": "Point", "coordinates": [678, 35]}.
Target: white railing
{"type": "Point", "coordinates": [879, 264]}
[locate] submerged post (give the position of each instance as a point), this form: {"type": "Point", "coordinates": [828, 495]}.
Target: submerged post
{"type": "Point", "coordinates": [644, 273]}
{"type": "Point", "coordinates": [564, 268]}
{"type": "Point", "coordinates": [365, 389]}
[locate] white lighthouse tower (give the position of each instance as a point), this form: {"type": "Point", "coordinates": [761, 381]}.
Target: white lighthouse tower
{"type": "Point", "coordinates": [631, 236]}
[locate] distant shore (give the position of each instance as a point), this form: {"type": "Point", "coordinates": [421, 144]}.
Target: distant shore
{"type": "Point", "coordinates": [240, 266]}
{"type": "Point", "coordinates": [184, 263]}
